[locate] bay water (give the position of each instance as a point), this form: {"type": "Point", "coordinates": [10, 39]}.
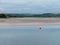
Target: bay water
{"type": "Point", "coordinates": [30, 35]}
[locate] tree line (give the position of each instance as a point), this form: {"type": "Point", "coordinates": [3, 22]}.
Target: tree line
{"type": "Point", "coordinates": [29, 15]}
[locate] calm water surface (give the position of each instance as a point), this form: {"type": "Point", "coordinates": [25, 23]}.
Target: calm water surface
{"type": "Point", "coordinates": [29, 35]}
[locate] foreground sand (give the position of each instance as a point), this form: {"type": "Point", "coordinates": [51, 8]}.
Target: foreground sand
{"type": "Point", "coordinates": [29, 21]}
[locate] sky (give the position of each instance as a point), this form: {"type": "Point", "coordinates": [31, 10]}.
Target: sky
{"type": "Point", "coordinates": [30, 6]}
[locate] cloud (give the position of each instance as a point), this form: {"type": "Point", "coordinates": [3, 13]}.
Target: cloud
{"type": "Point", "coordinates": [36, 2]}
{"type": "Point", "coordinates": [1, 8]}
{"type": "Point", "coordinates": [15, 1]}
{"type": "Point", "coordinates": [31, 6]}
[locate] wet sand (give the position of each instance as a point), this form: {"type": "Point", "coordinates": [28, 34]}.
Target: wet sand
{"type": "Point", "coordinates": [29, 21]}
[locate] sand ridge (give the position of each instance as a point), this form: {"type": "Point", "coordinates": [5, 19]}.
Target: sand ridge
{"type": "Point", "coordinates": [29, 21]}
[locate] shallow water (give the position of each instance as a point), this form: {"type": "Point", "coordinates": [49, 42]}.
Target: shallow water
{"type": "Point", "coordinates": [29, 35]}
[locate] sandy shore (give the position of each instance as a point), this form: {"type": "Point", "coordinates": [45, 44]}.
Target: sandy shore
{"type": "Point", "coordinates": [29, 21]}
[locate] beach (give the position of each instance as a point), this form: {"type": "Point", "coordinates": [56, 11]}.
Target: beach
{"type": "Point", "coordinates": [29, 21]}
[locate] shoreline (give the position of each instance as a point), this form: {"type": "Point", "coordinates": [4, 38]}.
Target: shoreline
{"type": "Point", "coordinates": [28, 24]}
{"type": "Point", "coordinates": [29, 21]}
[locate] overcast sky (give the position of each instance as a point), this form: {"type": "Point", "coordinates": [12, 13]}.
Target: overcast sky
{"type": "Point", "coordinates": [30, 6]}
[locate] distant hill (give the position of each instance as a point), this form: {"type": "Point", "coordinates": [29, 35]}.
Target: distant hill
{"type": "Point", "coordinates": [30, 15]}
